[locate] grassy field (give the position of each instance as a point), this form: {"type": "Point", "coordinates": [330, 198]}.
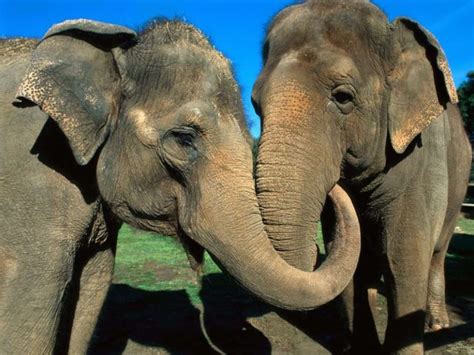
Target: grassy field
{"type": "Point", "coordinates": [157, 305]}
{"type": "Point", "coordinates": [157, 263]}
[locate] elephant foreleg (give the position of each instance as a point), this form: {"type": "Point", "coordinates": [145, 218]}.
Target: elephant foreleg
{"type": "Point", "coordinates": [359, 329]}
{"type": "Point", "coordinates": [360, 332]}
{"type": "Point", "coordinates": [358, 315]}
{"type": "Point", "coordinates": [406, 279]}
{"type": "Point", "coordinates": [437, 316]}
{"type": "Point", "coordinates": [34, 290]}
{"type": "Point", "coordinates": [95, 278]}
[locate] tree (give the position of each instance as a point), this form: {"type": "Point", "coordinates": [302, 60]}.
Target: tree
{"type": "Point", "coordinates": [466, 102]}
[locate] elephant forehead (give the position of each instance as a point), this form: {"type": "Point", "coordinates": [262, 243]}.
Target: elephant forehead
{"type": "Point", "coordinates": [345, 24]}
{"type": "Point", "coordinates": [330, 61]}
{"type": "Point", "coordinates": [356, 27]}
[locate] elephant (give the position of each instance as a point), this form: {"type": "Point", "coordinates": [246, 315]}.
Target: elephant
{"type": "Point", "coordinates": [347, 97]}
{"type": "Point", "coordinates": [101, 125]}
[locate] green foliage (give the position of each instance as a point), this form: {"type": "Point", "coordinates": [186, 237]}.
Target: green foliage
{"type": "Point", "coordinates": [466, 101]}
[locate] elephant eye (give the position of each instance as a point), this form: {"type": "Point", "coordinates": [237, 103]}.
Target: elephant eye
{"type": "Point", "coordinates": [180, 147]}
{"type": "Point", "coordinates": [344, 98]}
{"type": "Point", "coordinates": [184, 136]}
{"type": "Point", "coordinates": [185, 139]}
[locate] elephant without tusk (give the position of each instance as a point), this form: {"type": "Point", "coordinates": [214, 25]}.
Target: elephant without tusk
{"type": "Point", "coordinates": [102, 125]}
{"type": "Point", "coordinates": [347, 97]}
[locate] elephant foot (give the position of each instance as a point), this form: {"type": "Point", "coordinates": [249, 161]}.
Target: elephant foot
{"type": "Point", "coordinates": [437, 316]}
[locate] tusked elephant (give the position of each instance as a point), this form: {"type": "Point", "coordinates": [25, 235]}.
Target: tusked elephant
{"type": "Point", "coordinates": [100, 125]}
{"type": "Point", "coordinates": [347, 97]}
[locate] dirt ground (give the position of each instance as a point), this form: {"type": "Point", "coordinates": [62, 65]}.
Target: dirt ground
{"type": "Point", "coordinates": [141, 322]}
{"type": "Point", "coordinates": [135, 321]}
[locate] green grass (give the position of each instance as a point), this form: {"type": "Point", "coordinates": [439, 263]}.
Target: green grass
{"type": "Point", "coordinates": [155, 263]}
{"type": "Point", "coordinates": [466, 225]}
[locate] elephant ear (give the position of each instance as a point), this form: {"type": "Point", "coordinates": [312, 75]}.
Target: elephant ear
{"type": "Point", "coordinates": [73, 77]}
{"type": "Point", "coordinates": [421, 83]}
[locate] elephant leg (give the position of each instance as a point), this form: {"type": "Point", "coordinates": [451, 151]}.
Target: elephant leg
{"type": "Point", "coordinates": [354, 306]}
{"type": "Point", "coordinates": [364, 331]}
{"type": "Point", "coordinates": [345, 309]}
{"type": "Point", "coordinates": [437, 316]}
{"type": "Point", "coordinates": [360, 332]}
{"type": "Point", "coordinates": [34, 288]}
{"type": "Point", "coordinates": [94, 281]}
{"type": "Point", "coordinates": [406, 279]}
{"type": "Point", "coordinates": [372, 293]}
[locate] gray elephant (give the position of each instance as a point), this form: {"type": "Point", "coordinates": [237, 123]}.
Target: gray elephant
{"type": "Point", "coordinates": [111, 126]}
{"type": "Point", "coordinates": [346, 96]}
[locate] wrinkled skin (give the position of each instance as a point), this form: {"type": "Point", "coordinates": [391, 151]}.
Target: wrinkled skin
{"type": "Point", "coordinates": [345, 96]}
{"type": "Point", "coordinates": [110, 126]}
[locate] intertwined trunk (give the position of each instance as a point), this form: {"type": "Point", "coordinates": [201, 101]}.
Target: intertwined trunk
{"type": "Point", "coordinates": [293, 179]}
{"type": "Point", "coordinates": [230, 227]}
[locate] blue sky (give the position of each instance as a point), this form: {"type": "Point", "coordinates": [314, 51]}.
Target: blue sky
{"type": "Point", "coordinates": [237, 27]}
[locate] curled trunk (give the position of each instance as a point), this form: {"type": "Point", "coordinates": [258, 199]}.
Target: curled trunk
{"type": "Point", "coordinates": [229, 225]}
{"type": "Point", "coordinates": [250, 258]}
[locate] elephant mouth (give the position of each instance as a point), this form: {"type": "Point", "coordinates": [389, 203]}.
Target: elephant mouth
{"type": "Point", "coordinates": [194, 251]}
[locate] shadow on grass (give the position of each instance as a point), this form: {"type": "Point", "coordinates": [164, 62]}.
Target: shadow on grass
{"type": "Point", "coordinates": [227, 308]}
{"type": "Point", "coordinates": [165, 319]}
{"type": "Point", "coordinates": [462, 244]}
{"type": "Point", "coordinates": [168, 320]}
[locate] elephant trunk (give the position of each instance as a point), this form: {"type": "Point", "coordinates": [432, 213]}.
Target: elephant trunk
{"type": "Point", "coordinates": [248, 255]}
{"type": "Point", "coordinates": [292, 180]}
{"type": "Point", "coordinates": [289, 206]}
{"type": "Point", "coordinates": [230, 227]}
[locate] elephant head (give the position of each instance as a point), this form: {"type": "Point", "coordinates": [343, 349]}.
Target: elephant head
{"type": "Point", "coordinates": [341, 89]}
{"type": "Point", "coordinates": [160, 116]}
